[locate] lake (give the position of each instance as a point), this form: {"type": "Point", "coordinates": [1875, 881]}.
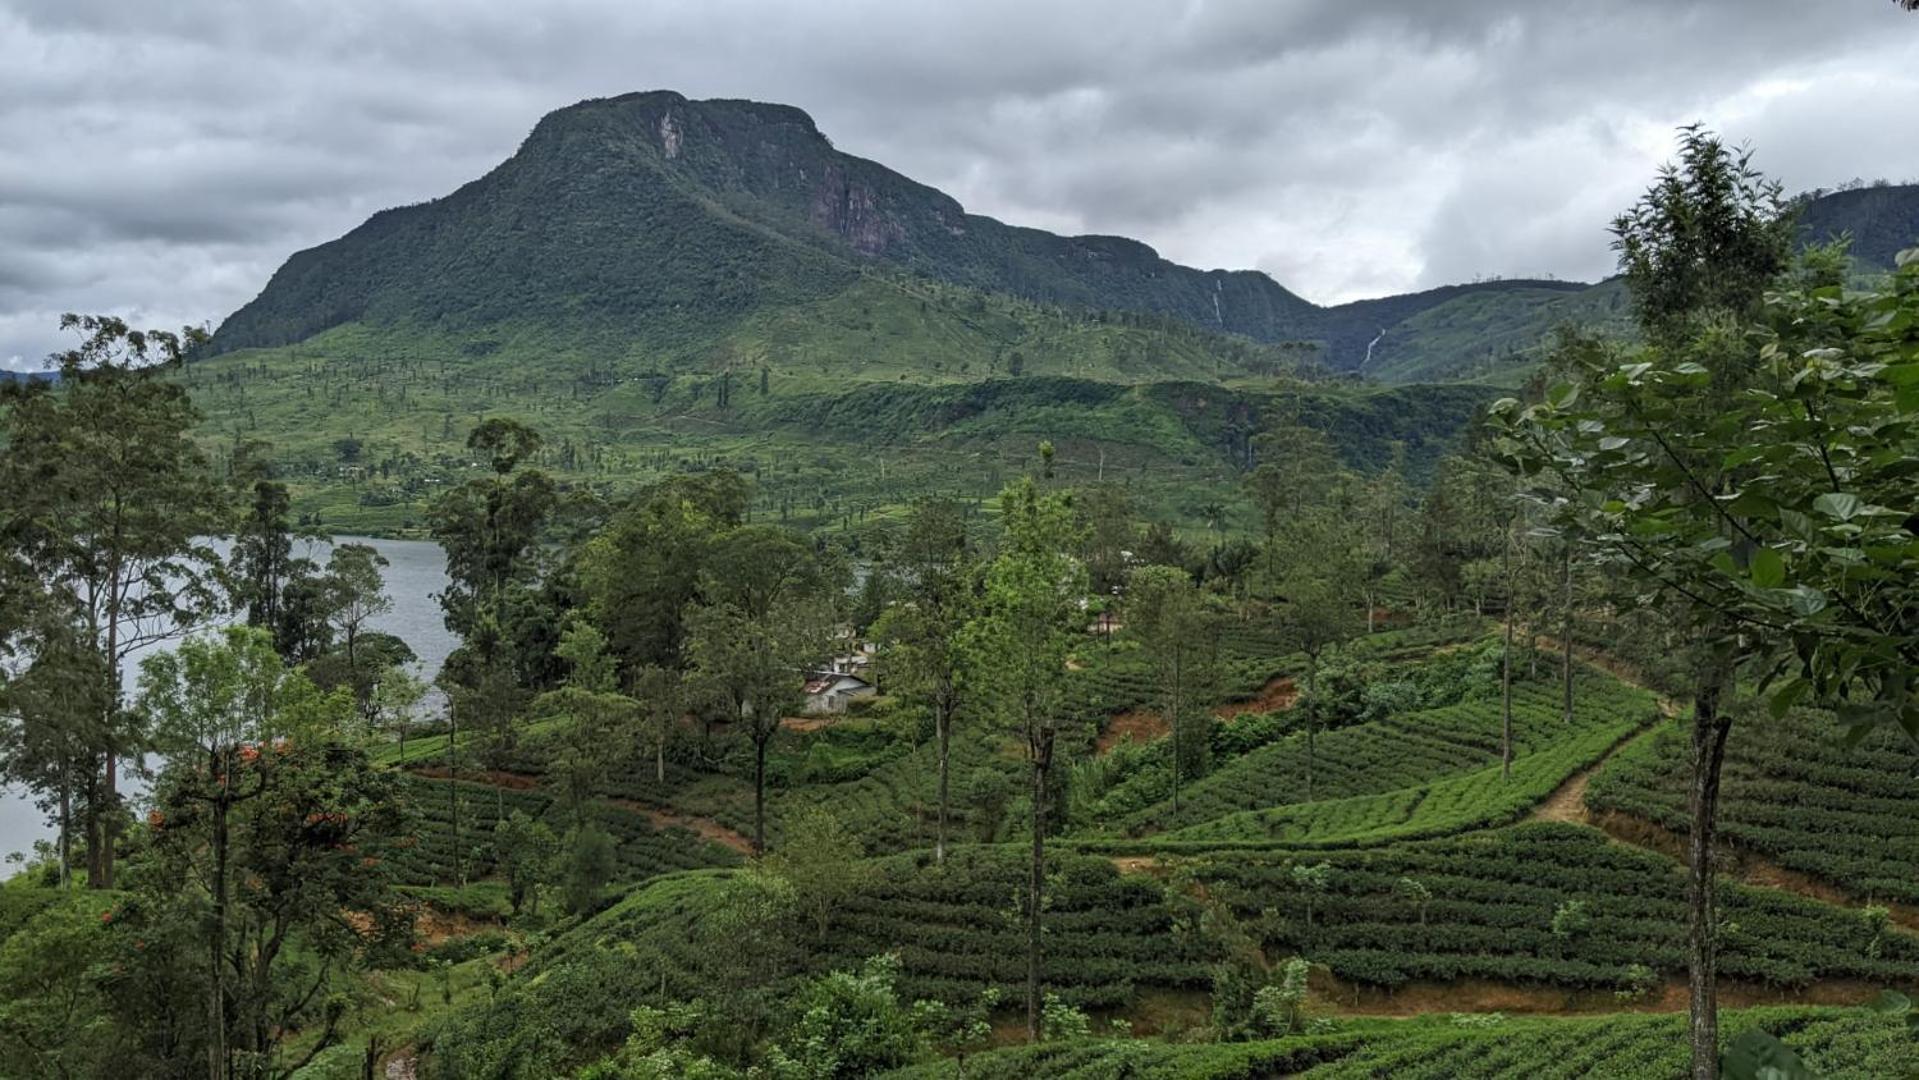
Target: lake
{"type": "Point", "coordinates": [414, 577]}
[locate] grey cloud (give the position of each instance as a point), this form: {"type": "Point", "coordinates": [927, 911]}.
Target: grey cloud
{"type": "Point", "coordinates": [162, 159]}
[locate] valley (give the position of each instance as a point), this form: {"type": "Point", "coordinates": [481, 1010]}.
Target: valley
{"type": "Point", "coordinates": [691, 602]}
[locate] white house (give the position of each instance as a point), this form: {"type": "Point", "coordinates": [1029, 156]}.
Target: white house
{"type": "Point", "coordinates": [829, 691]}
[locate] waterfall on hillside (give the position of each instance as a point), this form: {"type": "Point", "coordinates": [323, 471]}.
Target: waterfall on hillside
{"type": "Point", "coordinates": [1369, 348]}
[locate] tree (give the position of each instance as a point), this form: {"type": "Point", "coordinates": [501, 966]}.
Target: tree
{"type": "Point", "coordinates": [1506, 659]}
{"type": "Point", "coordinates": [1295, 463]}
{"type": "Point", "coordinates": [395, 702]}
{"type": "Point", "coordinates": [1317, 617]}
{"type": "Point", "coordinates": [661, 693]}
{"type": "Point", "coordinates": [214, 702]}
{"type": "Point", "coordinates": [526, 851]}
{"type": "Point", "coordinates": [1313, 881]}
{"type": "Point", "coordinates": [106, 498]}
{"type": "Point", "coordinates": [263, 554]}
{"type": "Point", "coordinates": [922, 660]}
{"type": "Point", "coordinates": [821, 859]}
{"type": "Point", "coordinates": [50, 744]}
{"type": "Point", "coordinates": [279, 822]}
{"type": "Point", "coordinates": [752, 666]}
{"type": "Point", "coordinates": [356, 593]}
{"type": "Point", "coordinates": [1016, 647]}
{"type": "Point", "coordinates": [490, 528]}
{"type": "Point", "coordinates": [591, 718]}
{"type": "Point", "coordinates": [1111, 535]}
{"type": "Point", "coordinates": [1789, 556]}
{"type": "Point", "coordinates": [1164, 609]}
{"type": "Point", "coordinates": [52, 1013]}
{"type": "Point", "coordinates": [589, 862]}
{"type": "Point", "coordinates": [642, 573]}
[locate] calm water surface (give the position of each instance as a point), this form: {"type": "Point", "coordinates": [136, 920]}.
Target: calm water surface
{"type": "Point", "coordinates": [414, 577]}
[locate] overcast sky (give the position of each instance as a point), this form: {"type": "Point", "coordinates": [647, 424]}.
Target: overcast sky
{"type": "Point", "coordinates": [160, 159]}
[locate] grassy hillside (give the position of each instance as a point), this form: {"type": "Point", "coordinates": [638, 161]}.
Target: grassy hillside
{"type": "Point", "coordinates": [838, 408]}
{"type": "Point", "coordinates": [651, 225]}
{"type": "Point", "coordinates": [1412, 883]}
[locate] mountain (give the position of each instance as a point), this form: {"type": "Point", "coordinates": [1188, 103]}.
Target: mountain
{"type": "Point", "coordinates": [653, 218]}
{"type": "Point", "coordinates": [661, 284]}
{"type": "Point", "coordinates": [654, 223]}
{"type": "Point", "coordinates": [1881, 219]}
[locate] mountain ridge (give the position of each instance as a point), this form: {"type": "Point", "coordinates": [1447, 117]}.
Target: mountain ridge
{"type": "Point", "coordinates": [769, 176]}
{"type": "Point", "coordinates": [661, 220]}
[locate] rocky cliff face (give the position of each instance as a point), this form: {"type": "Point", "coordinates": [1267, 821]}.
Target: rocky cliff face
{"type": "Point", "coordinates": [853, 212]}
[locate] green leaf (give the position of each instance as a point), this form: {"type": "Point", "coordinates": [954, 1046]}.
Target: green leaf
{"type": "Point", "coordinates": [1798, 524]}
{"type": "Point", "coordinates": [1757, 1055]}
{"type": "Point", "coordinates": [1838, 504]}
{"type": "Point", "coordinates": [1786, 697]}
{"type": "Point", "coordinates": [1806, 601]}
{"type": "Point", "coordinates": [1768, 569]}
{"type": "Point", "coordinates": [1890, 1003]}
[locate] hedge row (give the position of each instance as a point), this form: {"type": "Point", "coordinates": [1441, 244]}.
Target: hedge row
{"type": "Point", "coordinates": [1793, 792]}
{"type": "Point", "coordinates": [1493, 901]}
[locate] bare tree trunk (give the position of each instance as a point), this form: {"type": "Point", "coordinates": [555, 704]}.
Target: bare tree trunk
{"type": "Point", "coordinates": [759, 792]}
{"type": "Point", "coordinates": [66, 819]}
{"type": "Point", "coordinates": [453, 788]}
{"type": "Point", "coordinates": [1173, 723]}
{"type": "Point", "coordinates": [1042, 751]}
{"type": "Point", "coordinates": [217, 989]}
{"type": "Point", "coordinates": [1506, 672]}
{"type": "Point", "coordinates": [100, 830]}
{"type": "Point", "coordinates": [944, 735]}
{"type": "Point", "coordinates": [1312, 717]}
{"type": "Point", "coordinates": [1566, 634]}
{"type": "Point", "coordinates": [1708, 752]}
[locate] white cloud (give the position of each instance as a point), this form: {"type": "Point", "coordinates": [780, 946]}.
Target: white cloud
{"type": "Point", "coordinates": [163, 159]}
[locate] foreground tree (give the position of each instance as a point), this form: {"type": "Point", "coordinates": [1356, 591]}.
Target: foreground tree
{"type": "Point", "coordinates": [1748, 472]}
{"type": "Point", "coordinates": [105, 497]}
{"type": "Point", "coordinates": [1017, 647]}
{"type": "Point", "coordinates": [1316, 617]}
{"type": "Point", "coordinates": [823, 862]}
{"type": "Point", "coordinates": [52, 710]}
{"type": "Point", "coordinates": [661, 693]}
{"type": "Point", "coordinates": [276, 824]}
{"type": "Point", "coordinates": [589, 715]}
{"type": "Point", "coordinates": [356, 594]}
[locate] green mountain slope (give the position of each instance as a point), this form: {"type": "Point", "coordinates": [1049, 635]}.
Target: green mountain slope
{"type": "Point", "coordinates": [653, 222]}
{"type": "Point", "coordinates": [1882, 220]}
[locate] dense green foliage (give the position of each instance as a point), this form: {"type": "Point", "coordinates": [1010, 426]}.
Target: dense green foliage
{"type": "Point", "coordinates": [643, 850]}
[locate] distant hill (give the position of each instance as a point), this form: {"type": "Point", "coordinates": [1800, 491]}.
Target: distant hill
{"type": "Point", "coordinates": [656, 225]}
{"type": "Point", "coordinates": [662, 222]}
{"type": "Point", "coordinates": [662, 284]}
{"type": "Point", "coordinates": [1881, 219]}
